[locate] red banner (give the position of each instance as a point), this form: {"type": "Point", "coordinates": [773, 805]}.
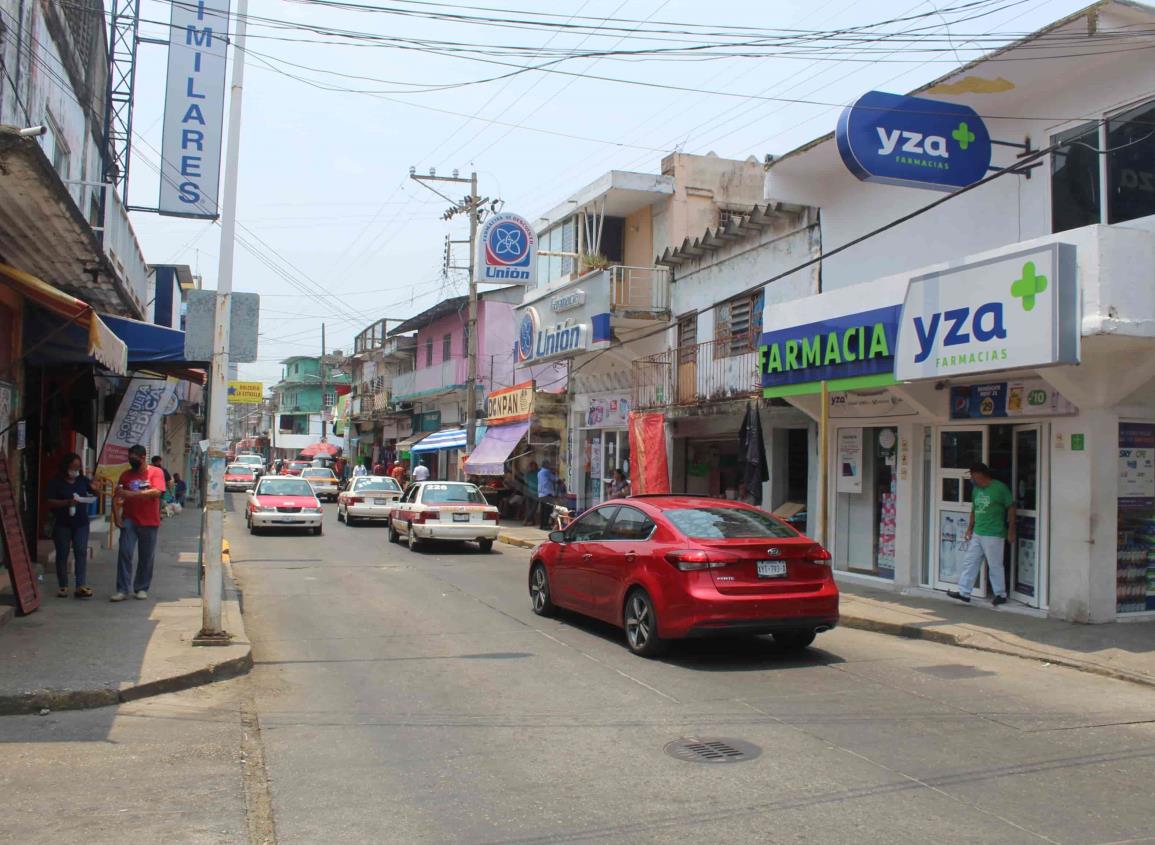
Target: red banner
{"type": "Point", "coordinates": [649, 472]}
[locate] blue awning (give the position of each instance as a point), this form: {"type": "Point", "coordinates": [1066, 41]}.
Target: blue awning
{"type": "Point", "coordinates": [450, 438]}
{"type": "Point", "coordinates": [147, 342]}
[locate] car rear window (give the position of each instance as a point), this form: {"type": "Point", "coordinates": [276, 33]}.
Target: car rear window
{"type": "Point", "coordinates": [239, 470]}
{"type": "Point", "coordinates": [318, 473]}
{"type": "Point", "coordinates": [727, 523]}
{"type": "Point", "coordinates": [377, 484]}
{"type": "Point", "coordinates": [284, 487]}
{"type": "Point", "coordinates": [451, 494]}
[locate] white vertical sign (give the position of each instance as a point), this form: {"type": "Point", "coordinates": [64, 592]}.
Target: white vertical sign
{"type": "Point", "coordinates": [194, 108]}
{"type": "Point", "coordinates": [849, 460]}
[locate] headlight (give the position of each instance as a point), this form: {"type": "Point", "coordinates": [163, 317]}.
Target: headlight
{"type": "Point", "coordinates": [264, 509]}
{"type": "Point", "coordinates": [311, 510]}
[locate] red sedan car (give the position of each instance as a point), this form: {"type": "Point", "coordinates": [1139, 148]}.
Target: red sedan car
{"type": "Point", "coordinates": [669, 567]}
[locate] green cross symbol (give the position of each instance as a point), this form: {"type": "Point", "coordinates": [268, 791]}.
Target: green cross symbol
{"type": "Point", "coordinates": [963, 135]}
{"type": "Point", "coordinates": [1029, 286]}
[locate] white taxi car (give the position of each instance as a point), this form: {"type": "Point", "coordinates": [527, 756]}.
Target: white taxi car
{"type": "Point", "coordinates": [443, 510]}
{"type": "Point", "coordinates": [280, 501]}
{"type": "Point", "coordinates": [323, 481]}
{"type": "Point", "coordinates": [368, 497]}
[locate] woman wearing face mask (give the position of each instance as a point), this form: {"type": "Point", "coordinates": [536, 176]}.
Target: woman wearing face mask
{"type": "Point", "coordinates": [71, 530]}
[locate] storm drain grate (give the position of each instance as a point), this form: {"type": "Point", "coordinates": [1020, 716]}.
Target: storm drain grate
{"type": "Point", "coordinates": [712, 750]}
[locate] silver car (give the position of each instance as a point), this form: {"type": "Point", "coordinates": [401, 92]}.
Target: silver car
{"type": "Point", "coordinates": [368, 497]}
{"type": "Point", "coordinates": [323, 482]}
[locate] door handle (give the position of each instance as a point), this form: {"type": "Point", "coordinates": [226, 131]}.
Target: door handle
{"type": "Point", "coordinates": [631, 556]}
{"type": "Point", "coordinates": [587, 557]}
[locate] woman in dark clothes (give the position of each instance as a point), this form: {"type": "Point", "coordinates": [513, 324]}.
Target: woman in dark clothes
{"type": "Point", "coordinates": [71, 528]}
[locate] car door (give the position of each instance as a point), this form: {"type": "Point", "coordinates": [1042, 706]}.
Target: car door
{"type": "Point", "coordinates": [570, 578]}
{"type": "Point", "coordinates": [613, 557]}
{"type": "Point", "coordinates": [398, 517]}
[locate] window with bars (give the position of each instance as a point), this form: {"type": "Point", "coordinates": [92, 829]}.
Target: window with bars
{"type": "Point", "coordinates": [429, 352]}
{"type": "Point", "coordinates": [738, 323]}
{"type": "Point", "coordinates": [446, 347]}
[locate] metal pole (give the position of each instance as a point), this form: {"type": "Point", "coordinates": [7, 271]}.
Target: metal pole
{"type": "Point", "coordinates": [471, 377]}
{"type": "Point", "coordinates": [324, 427]}
{"type": "Point", "coordinates": [824, 468]}
{"type": "Point", "coordinates": [212, 632]}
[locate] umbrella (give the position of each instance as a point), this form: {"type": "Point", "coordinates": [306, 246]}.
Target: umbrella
{"type": "Point", "coordinates": [320, 448]}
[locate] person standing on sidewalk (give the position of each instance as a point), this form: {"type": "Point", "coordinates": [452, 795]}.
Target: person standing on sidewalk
{"type": "Point", "coordinates": [991, 526]}
{"type": "Point", "coordinates": [70, 528]}
{"type": "Point", "coordinates": [546, 490]}
{"type": "Point", "coordinates": [136, 512]}
{"type": "Point", "coordinates": [531, 493]}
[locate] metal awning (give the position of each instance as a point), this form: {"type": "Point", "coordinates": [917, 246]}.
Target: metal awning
{"type": "Point", "coordinates": [43, 231]}
{"type": "Point", "coordinates": [495, 447]}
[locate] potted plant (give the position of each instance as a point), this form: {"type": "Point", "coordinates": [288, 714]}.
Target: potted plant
{"type": "Point", "coordinates": [591, 261]}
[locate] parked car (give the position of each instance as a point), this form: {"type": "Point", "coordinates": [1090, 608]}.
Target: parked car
{"type": "Point", "coordinates": [368, 497]}
{"type": "Point", "coordinates": [296, 467]}
{"type": "Point", "coordinates": [255, 461]}
{"type": "Point", "coordinates": [282, 502]}
{"type": "Point", "coordinates": [239, 477]}
{"type": "Point", "coordinates": [669, 567]}
{"type": "Point", "coordinates": [443, 510]}
{"type": "Point", "coordinates": [323, 481]}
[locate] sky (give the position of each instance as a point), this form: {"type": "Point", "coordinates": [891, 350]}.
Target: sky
{"type": "Point", "coordinates": [332, 122]}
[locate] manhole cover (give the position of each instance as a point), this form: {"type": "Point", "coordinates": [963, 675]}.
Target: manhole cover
{"type": "Point", "coordinates": [695, 749]}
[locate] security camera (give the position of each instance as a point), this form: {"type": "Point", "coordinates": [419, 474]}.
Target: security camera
{"type": "Point", "coordinates": [33, 131]}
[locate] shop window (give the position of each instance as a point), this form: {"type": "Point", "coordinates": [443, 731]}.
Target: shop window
{"type": "Point", "coordinates": [738, 323]}
{"type": "Point", "coordinates": [867, 500]}
{"type": "Point", "coordinates": [1075, 179]}
{"type": "Point", "coordinates": [1131, 164]}
{"type": "Point", "coordinates": [1135, 548]}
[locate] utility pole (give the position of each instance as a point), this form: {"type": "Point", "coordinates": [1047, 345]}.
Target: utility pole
{"type": "Point", "coordinates": [324, 428]}
{"type": "Point", "coordinates": [470, 205]}
{"type": "Point", "coordinates": [212, 631]}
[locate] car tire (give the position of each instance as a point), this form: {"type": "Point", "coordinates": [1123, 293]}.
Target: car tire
{"type": "Point", "coordinates": [641, 623]}
{"type": "Point", "coordinates": [319, 530]}
{"type": "Point", "coordinates": [539, 595]}
{"type": "Point", "coordinates": [411, 538]}
{"type": "Point", "coordinates": [350, 519]}
{"type": "Point", "coordinates": [485, 545]}
{"type": "Point", "coordinates": [253, 529]}
{"type": "Point", "coordinates": [394, 537]}
{"type": "Point", "coordinates": [340, 515]}
{"type": "Point", "coordinates": [794, 640]}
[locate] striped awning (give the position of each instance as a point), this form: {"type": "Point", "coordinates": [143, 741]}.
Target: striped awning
{"type": "Point", "coordinates": [450, 438]}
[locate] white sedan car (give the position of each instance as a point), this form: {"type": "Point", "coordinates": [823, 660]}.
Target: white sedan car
{"type": "Point", "coordinates": [323, 481]}
{"type": "Point", "coordinates": [443, 510]}
{"type": "Point", "coordinates": [368, 497]}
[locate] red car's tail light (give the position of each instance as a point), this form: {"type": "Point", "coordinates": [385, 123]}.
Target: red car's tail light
{"type": "Point", "coordinates": [818, 555]}
{"type": "Point", "coordinates": [692, 560]}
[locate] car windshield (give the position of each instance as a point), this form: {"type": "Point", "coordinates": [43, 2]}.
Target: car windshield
{"type": "Point", "coordinates": [284, 487]}
{"type": "Point", "coordinates": [319, 473]}
{"type": "Point", "coordinates": [364, 485]}
{"type": "Point", "coordinates": [237, 469]}
{"type": "Point", "coordinates": [451, 494]}
{"type": "Point", "coordinates": [249, 459]}
{"type": "Point", "coordinates": [724, 523]}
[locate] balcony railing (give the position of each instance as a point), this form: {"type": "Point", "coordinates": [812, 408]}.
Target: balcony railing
{"type": "Point", "coordinates": [639, 289]}
{"type": "Point", "coordinates": [726, 368]}
{"type": "Point", "coordinates": [122, 248]}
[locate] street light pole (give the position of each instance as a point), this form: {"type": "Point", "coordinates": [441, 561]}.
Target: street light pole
{"type": "Point", "coordinates": [212, 631]}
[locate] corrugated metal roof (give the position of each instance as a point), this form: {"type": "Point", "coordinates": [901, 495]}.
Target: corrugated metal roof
{"type": "Point", "coordinates": [42, 232]}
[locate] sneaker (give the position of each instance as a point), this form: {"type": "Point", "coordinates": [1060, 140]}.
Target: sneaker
{"type": "Point", "coordinates": [955, 594]}
{"type": "Point", "coordinates": [140, 594]}
{"type": "Point", "coordinates": [117, 597]}
{"type": "Point", "coordinates": [997, 600]}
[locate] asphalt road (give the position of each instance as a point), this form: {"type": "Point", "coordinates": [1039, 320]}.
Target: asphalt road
{"type": "Point", "coordinates": [414, 698]}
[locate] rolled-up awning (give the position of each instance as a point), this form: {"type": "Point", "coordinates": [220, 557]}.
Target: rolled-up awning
{"type": "Point", "coordinates": [495, 448]}
{"type": "Point", "coordinates": [101, 343]}
{"type": "Point", "coordinates": [147, 342]}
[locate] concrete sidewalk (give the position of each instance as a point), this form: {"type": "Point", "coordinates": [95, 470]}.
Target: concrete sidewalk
{"type": "Point", "coordinates": [74, 654]}
{"type": "Point", "coordinates": [1117, 650]}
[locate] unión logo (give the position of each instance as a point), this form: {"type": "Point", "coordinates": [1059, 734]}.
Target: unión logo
{"type": "Point", "coordinates": [526, 334]}
{"type": "Point", "coordinates": [508, 247]}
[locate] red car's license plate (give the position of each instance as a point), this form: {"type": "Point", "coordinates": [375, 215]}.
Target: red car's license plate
{"type": "Point", "coordinates": [771, 569]}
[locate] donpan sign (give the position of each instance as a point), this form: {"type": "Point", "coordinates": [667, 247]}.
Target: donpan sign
{"type": "Point", "coordinates": [506, 251]}
{"type": "Point", "coordinates": [913, 142]}
{"type": "Point", "coordinates": [1019, 310]}
{"type": "Point", "coordinates": [194, 108]}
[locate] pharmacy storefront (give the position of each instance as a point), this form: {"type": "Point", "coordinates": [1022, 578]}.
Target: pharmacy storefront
{"type": "Point", "coordinates": [994, 360]}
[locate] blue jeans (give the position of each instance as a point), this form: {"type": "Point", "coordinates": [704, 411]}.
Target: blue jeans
{"type": "Point", "coordinates": [132, 537]}
{"type": "Point", "coordinates": [74, 538]}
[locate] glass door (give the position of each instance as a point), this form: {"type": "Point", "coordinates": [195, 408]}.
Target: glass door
{"type": "Point", "coordinates": [956, 449]}
{"type": "Point", "coordinates": [1028, 558]}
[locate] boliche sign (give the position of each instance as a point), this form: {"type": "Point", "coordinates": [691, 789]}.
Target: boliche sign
{"type": "Point", "coordinates": [1015, 311]}
{"type": "Point", "coordinates": [511, 404]}
{"type": "Point", "coordinates": [194, 108]}
{"type": "Point", "coordinates": [506, 250]}
{"type": "Point", "coordinates": [913, 142]}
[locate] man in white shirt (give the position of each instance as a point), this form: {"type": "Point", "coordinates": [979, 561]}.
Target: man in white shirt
{"type": "Point", "coordinates": [421, 472]}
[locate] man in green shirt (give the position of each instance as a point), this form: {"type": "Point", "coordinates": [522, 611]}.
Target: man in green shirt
{"type": "Point", "coordinates": [992, 525]}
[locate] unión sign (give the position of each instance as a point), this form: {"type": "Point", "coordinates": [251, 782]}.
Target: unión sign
{"type": "Point", "coordinates": [194, 108]}
{"type": "Point", "coordinates": [535, 343]}
{"type": "Point", "coordinates": [507, 250]}
{"type": "Point", "coordinates": [1018, 310]}
{"type": "Point", "coordinates": [913, 142]}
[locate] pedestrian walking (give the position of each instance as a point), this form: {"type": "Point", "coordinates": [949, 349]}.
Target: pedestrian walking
{"type": "Point", "coordinates": [421, 472]}
{"type": "Point", "coordinates": [136, 512]}
{"type": "Point", "coordinates": [63, 494]}
{"type": "Point", "coordinates": [398, 472]}
{"type": "Point", "coordinates": [546, 491]}
{"type": "Point", "coordinates": [158, 462]}
{"type": "Point", "coordinates": [180, 488]}
{"type": "Point", "coordinates": [361, 469]}
{"type": "Point", "coordinates": [991, 525]}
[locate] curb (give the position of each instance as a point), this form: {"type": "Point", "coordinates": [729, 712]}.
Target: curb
{"type": "Point", "coordinates": [521, 543]}
{"type": "Point", "coordinates": [989, 643]}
